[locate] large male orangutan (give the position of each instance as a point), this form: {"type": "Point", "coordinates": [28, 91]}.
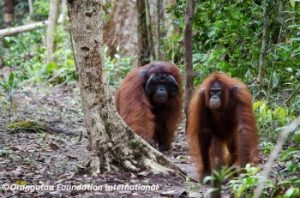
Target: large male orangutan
{"type": "Point", "coordinates": [150, 100]}
{"type": "Point", "coordinates": [222, 128]}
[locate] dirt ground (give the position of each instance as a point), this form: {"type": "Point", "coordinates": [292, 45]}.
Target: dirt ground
{"type": "Point", "coordinates": [55, 159]}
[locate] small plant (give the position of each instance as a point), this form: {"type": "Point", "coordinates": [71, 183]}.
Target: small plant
{"type": "Point", "coordinates": [244, 185]}
{"type": "Point", "coordinates": [271, 119]}
{"type": "Point", "coordinates": [116, 68]}
{"type": "Point", "coordinates": [8, 85]}
{"type": "Point", "coordinates": [266, 147]}
{"type": "Point", "coordinates": [217, 179]}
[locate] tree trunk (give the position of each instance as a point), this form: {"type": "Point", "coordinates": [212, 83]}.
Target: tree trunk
{"type": "Point", "coordinates": [31, 11]}
{"type": "Point", "coordinates": [149, 31]}
{"type": "Point", "coordinates": [113, 145]}
{"type": "Point", "coordinates": [120, 31]}
{"type": "Point", "coordinates": [53, 16]}
{"type": "Point", "coordinates": [264, 48]}
{"type": "Point", "coordinates": [279, 22]}
{"type": "Point", "coordinates": [276, 37]}
{"type": "Point", "coordinates": [143, 43]}
{"type": "Point", "coordinates": [188, 54]}
{"type": "Point", "coordinates": [8, 10]}
{"type": "Point", "coordinates": [160, 19]}
{"type": "Point", "coordinates": [8, 16]}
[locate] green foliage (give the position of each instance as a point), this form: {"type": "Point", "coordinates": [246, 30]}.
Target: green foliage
{"type": "Point", "coordinates": [285, 182]}
{"type": "Point", "coordinates": [7, 88]}
{"type": "Point", "coordinates": [292, 192]}
{"type": "Point", "coordinates": [27, 55]}
{"type": "Point", "coordinates": [41, 9]}
{"type": "Point", "coordinates": [297, 137]}
{"type": "Point", "coordinates": [291, 171]}
{"type": "Point", "coordinates": [8, 85]}
{"type": "Point", "coordinates": [271, 119]}
{"type": "Point", "coordinates": [172, 44]}
{"type": "Point", "coordinates": [246, 183]}
{"type": "Point", "coordinates": [116, 68]}
{"type": "Point", "coordinates": [287, 188]}
{"type": "Point", "coordinates": [23, 54]}
{"type": "Point", "coordinates": [62, 69]}
{"type": "Point", "coordinates": [220, 175]}
{"type": "Point", "coordinates": [285, 176]}
{"type": "Point", "coordinates": [227, 37]}
{"type": "Point", "coordinates": [266, 147]}
{"type": "Point", "coordinates": [217, 178]}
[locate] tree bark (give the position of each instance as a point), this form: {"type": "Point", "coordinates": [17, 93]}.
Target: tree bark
{"type": "Point", "coordinates": [120, 31]}
{"type": "Point", "coordinates": [160, 19]}
{"type": "Point", "coordinates": [188, 54]}
{"type": "Point", "coordinates": [31, 11]}
{"type": "Point", "coordinates": [114, 146]}
{"type": "Point", "coordinates": [8, 10]}
{"type": "Point", "coordinates": [143, 43]}
{"type": "Point", "coordinates": [276, 37]}
{"type": "Point", "coordinates": [53, 16]}
{"type": "Point", "coordinates": [149, 31]}
{"type": "Point", "coordinates": [264, 47]}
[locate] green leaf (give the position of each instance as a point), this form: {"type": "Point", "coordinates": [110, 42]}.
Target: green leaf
{"type": "Point", "coordinates": [11, 79]}
{"type": "Point", "coordinates": [293, 3]}
{"type": "Point", "coordinates": [51, 67]}
{"type": "Point", "coordinates": [208, 178]}
{"type": "Point", "coordinates": [289, 69]}
{"type": "Point", "coordinates": [251, 181]}
{"type": "Point", "coordinates": [297, 136]}
{"type": "Point", "coordinates": [211, 190]}
{"type": "Point", "coordinates": [276, 79]}
{"type": "Point", "coordinates": [291, 192]}
{"type": "Point", "coordinates": [257, 104]}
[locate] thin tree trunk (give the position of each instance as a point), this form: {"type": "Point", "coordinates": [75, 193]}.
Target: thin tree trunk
{"type": "Point", "coordinates": [31, 11]}
{"type": "Point", "coordinates": [53, 16]}
{"type": "Point", "coordinates": [113, 145]}
{"type": "Point", "coordinates": [8, 16]}
{"type": "Point", "coordinates": [120, 31]}
{"type": "Point", "coordinates": [277, 39]}
{"type": "Point", "coordinates": [188, 54]}
{"type": "Point", "coordinates": [264, 47]}
{"type": "Point", "coordinates": [143, 43]}
{"type": "Point", "coordinates": [160, 19]}
{"type": "Point", "coordinates": [149, 31]}
{"type": "Point", "coordinates": [8, 10]}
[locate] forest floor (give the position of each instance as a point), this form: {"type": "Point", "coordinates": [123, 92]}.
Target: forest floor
{"type": "Point", "coordinates": [55, 158]}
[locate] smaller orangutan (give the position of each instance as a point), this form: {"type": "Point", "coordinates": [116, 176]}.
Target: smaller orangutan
{"type": "Point", "coordinates": [222, 128]}
{"type": "Point", "coordinates": [149, 100]}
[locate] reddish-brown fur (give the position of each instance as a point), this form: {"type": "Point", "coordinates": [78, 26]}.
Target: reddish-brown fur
{"type": "Point", "coordinates": [137, 111]}
{"type": "Point", "coordinates": [227, 137]}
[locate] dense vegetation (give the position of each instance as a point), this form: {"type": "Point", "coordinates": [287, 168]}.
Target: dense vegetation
{"type": "Point", "coordinates": [227, 36]}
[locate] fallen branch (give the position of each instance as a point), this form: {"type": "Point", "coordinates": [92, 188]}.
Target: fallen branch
{"type": "Point", "coordinates": [267, 168]}
{"type": "Point", "coordinates": [24, 28]}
